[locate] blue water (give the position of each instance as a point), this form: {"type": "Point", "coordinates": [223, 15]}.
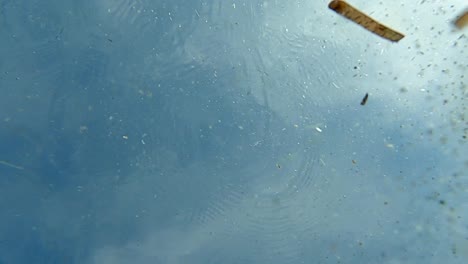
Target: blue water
{"type": "Point", "coordinates": [231, 132]}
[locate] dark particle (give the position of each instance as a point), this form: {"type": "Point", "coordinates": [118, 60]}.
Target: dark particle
{"type": "Point", "coordinates": [364, 100]}
{"type": "Point", "coordinates": [442, 202]}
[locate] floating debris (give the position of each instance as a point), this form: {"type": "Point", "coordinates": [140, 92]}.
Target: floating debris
{"type": "Point", "coordinates": [323, 162]}
{"type": "Point", "coordinates": [351, 13]}
{"type": "Point", "coordinates": [83, 129]}
{"type": "Point", "coordinates": [390, 146]}
{"type": "Point", "coordinates": [462, 21]}
{"type": "Point", "coordinates": [11, 165]}
{"type": "Point", "coordinates": [364, 100]}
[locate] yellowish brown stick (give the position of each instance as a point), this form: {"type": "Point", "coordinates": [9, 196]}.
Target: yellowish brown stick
{"type": "Point", "coordinates": [462, 21]}
{"type": "Point", "coordinates": [348, 11]}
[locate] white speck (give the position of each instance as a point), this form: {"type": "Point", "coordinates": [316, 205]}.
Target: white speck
{"type": "Point", "coordinates": [125, 137]}
{"type": "Point", "coordinates": [318, 129]}
{"type": "Point", "coordinates": [256, 143]}
{"type": "Point", "coordinates": [143, 142]}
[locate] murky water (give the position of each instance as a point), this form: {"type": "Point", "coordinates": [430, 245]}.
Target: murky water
{"type": "Point", "coordinates": [231, 132]}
